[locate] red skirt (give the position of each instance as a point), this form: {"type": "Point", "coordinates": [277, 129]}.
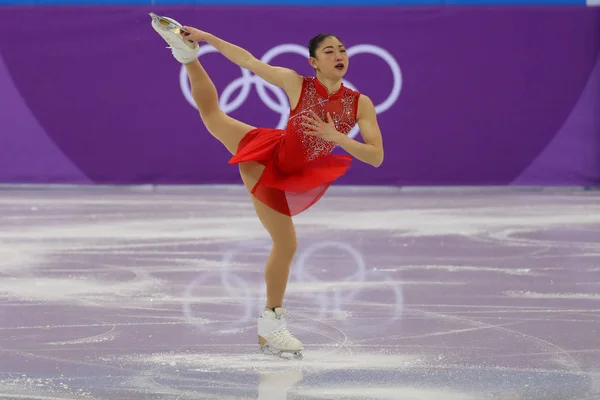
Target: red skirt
{"type": "Point", "coordinates": [289, 184]}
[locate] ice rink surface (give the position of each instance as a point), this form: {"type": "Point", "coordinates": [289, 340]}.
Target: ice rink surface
{"type": "Point", "coordinates": [153, 293]}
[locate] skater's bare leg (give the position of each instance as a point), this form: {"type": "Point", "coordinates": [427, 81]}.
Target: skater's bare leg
{"type": "Point", "coordinates": [227, 130]}
{"type": "Point", "coordinates": [272, 330]}
{"type": "Point", "coordinates": [283, 234]}
{"type": "Point", "coordinates": [273, 334]}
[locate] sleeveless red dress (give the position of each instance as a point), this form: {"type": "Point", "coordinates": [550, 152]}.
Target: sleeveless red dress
{"type": "Point", "coordinates": [299, 167]}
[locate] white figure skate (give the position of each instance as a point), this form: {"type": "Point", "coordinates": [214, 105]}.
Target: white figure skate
{"type": "Point", "coordinates": [274, 336]}
{"type": "Point", "coordinates": [184, 51]}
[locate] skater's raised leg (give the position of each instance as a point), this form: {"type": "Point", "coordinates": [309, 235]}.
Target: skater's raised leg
{"type": "Point", "coordinates": [227, 130]}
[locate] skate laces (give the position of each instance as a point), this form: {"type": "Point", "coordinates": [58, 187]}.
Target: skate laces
{"type": "Point", "coordinates": [281, 333]}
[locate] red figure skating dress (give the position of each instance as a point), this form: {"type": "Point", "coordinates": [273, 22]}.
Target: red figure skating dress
{"type": "Point", "coordinates": [299, 167]}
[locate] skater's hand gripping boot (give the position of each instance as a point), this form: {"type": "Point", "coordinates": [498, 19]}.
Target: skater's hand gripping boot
{"type": "Point", "coordinates": [185, 51]}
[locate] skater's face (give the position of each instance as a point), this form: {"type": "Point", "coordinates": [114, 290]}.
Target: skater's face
{"type": "Point", "coordinates": [330, 58]}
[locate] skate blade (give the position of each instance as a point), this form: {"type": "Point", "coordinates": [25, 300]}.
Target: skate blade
{"type": "Point", "coordinates": [168, 25]}
{"type": "Point", "coordinates": [283, 354]}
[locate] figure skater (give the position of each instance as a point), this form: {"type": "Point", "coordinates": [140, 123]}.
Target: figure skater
{"type": "Point", "coordinates": [285, 171]}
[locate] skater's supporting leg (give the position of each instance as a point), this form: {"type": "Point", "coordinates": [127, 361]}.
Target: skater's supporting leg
{"type": "Point", "coordinates": [283, 234]}
{"type": "Point", "coordinates": [273, 334]}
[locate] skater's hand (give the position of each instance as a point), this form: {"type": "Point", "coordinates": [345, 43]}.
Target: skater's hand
{"type": "Point", "coordinates": [317, 127]}
{"type": "Point", "coordinates": [195, 35]}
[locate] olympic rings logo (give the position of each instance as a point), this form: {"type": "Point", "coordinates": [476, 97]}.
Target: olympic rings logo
{"type": "Point", "coordinates": [242, 290]}
{"type": "Point", "coordinates": [244, 83]}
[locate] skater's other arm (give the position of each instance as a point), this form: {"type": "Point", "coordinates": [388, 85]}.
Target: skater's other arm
{"type": "Point", "coordinates": [284, 78]}
{"type": "Point", "coordinates": [370, 152]}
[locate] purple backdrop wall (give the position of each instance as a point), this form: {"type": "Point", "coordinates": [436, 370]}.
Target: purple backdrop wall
{"type": "Point", "coordinates": [465, 95]}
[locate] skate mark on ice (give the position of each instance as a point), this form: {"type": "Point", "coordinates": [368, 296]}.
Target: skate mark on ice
{"type": "Point", "coordinates": [432, 334]}
{"type": "Point", "coordinates": [342, 342]}
{"type": "Point", "coordinates": [103, 337]}
{"type": "Point", "coordinates": [518, 333]}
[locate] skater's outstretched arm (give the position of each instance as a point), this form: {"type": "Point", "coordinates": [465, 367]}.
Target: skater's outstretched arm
{"type": "Point", "coordinates": [285, 78]}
